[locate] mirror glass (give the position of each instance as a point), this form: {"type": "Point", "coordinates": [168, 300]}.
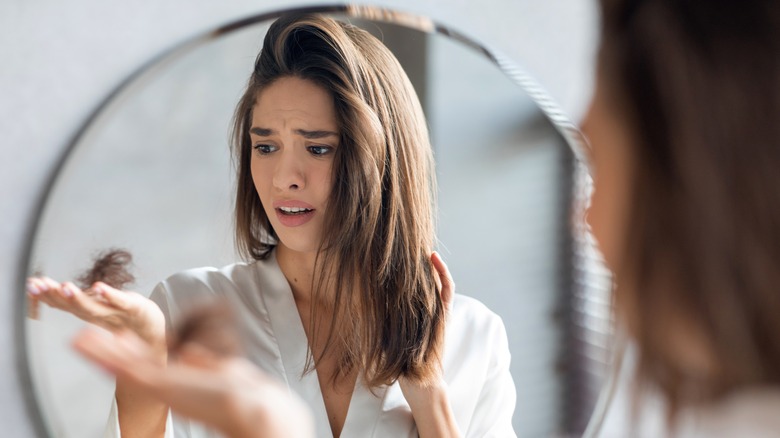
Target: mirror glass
{"type": "Point", "coordinates": [151, 172]}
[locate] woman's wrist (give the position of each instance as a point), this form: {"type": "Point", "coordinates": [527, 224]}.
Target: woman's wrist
{"type": "Point", "coordinates": [420, 395]}
{"type": "Point", "coordinates": [431, 409]}
{"type": "Point", "coordinates": [149, 325]}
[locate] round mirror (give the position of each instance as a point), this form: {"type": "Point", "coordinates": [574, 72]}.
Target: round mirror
{"type": "Point", "coordinates": [151, 172]}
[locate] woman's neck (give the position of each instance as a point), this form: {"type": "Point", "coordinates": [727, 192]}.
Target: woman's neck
{"type": "Point", "coordinates": [298, 269]}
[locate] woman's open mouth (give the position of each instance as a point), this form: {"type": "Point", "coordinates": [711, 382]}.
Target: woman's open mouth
{"type": "Point", "coordinates": [294, 216]}
{"type": "Point", "coordinates": [294, 210]}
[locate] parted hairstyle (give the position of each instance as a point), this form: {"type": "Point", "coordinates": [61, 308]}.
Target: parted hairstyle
{"type": "Point", "coordinates": [374, 260]}
{"type": "Point", "coordinates": [699, 84]}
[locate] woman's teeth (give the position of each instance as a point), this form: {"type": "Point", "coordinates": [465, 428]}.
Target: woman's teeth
{"type": "Point", "coordinates": [294, 210]}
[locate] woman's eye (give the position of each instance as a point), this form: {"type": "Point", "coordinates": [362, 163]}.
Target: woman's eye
{"type": "Point", "coordinates": [264, 149]}
{"type": "Point", "coordinates": [319, 150]}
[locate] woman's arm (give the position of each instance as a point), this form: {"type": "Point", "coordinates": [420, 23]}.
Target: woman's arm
{"type": "Point", "coordinates": [430, 404]}
{"type": "Point", "coordinates": [431, 409]}
{"type": "Point", "coordinates": [139, 415]}
{"type": "Point", "coordinates": [228, 394]}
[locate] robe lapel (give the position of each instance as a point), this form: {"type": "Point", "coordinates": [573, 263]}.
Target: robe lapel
{"type": "Point", "coordinates": [293, 345]}
{"type": "Point", "coordinates": [364, 408]}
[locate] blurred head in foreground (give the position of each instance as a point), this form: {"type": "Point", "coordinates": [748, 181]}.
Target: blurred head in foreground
{"type": "Point", "coordinates": [685, 133]}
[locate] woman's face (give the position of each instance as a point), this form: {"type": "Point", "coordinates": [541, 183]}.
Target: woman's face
{"type": "Point", "coordinates": [612, 166]}
{"type": "Point", "coordinates": [294, 137]}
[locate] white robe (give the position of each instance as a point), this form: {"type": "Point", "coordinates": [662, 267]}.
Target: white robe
{"type": "Point", "coordinates": [752, 412]}
{"type": "Point", "coordinates": [476, 356]}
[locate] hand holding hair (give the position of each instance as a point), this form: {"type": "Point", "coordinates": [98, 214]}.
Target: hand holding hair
{"type": "Point", "coordinates": [430, 403]}
{"type": "Point", "coordinates": [206, 378]}
{"type": "Point", "coordinates": [96, 298]}
{"type": "Point", "coordinates": [99, 300]}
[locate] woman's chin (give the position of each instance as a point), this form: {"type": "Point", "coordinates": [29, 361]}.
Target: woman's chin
{"type": "Point", "coordinates": [298, 245]}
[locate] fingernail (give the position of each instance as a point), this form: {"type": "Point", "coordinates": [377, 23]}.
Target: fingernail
{"type": "Point", "coordinates": [67, 289]}
{"type": "Point", "coordinates": [32, 289]}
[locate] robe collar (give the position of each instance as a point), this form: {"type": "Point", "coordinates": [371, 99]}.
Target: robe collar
{"type": "Point", "coordinates": [365, 406]}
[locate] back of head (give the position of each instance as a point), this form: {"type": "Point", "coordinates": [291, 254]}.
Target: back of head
{"type": "Point", "coordinates": [699, 85]}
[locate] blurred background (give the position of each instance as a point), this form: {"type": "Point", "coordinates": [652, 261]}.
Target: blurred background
{"type": "Point", "coordinates": [63, 60]}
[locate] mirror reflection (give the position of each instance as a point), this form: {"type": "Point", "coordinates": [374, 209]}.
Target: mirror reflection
{"type": "Point", "coordinates": [314, 163]}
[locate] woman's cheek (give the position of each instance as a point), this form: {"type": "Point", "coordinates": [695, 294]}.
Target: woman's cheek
{"type": "Point", "coordinates": [599, 230]}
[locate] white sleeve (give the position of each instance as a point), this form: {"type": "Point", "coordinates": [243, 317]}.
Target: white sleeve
{"type": "Point", "coordinates": [496, 403]}
{"type": "Point", "coordinates": [112, 425]}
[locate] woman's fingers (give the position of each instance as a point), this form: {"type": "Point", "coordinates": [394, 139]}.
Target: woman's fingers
{"type": "Point", "coordinates": [33, 292]}
{"type": "Point", "coordinates": [128, 357]}
{"type": "Point", "coordinates": [196, 355]}
{"type": "Point", "coordinates": [445, 282]}
{"type": "Point", "coordinates": [88, 308]}
{"type": "Point", "coordinates": [35, 287]}
{"type": "Point", "coordinates": [101, 348]}
{"type": "Point", "coordinates": [95, 306]}
{"type": "Point", "coordinates": [47, 290]}
{"type": "Point", "coordinates": [33, 311]}
{"type": "Point", "coordinates": [113, 297]}
{"type": "Point", "coordinates": [122, 354]}
{"type": "Point", "coordinates": [97, 347]}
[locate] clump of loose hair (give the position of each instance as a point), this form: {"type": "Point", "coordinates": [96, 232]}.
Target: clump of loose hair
{"type": "Point", "coordinates": [374, 260]}
{"type": "Point", "coordinates": [112, 267]}
{"type": "Point", "coordinates": [208, 325]}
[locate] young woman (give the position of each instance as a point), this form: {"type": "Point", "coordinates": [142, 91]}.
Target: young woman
{"type": "Point", "coordinates": [335, 207]}
{"type": "Point", "coordinates": [686, 207]}
{"type": "Point", "coordinates": [686, 211]}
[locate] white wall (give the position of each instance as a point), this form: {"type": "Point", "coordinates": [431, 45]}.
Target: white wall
{"type": "Point", "coordinates": [60, 59]}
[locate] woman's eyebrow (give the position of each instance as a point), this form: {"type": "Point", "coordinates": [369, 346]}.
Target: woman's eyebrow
{"type": "Point", "coordinates": [311, 135]}
{"type": "Point", "coordinates": [262, 132]}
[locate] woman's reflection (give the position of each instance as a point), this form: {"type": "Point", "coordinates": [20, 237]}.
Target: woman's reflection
{"type": "Point", "coordinates": [344, 301]}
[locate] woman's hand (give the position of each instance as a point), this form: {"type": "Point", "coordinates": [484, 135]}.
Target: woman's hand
{"type": "Point", "coordinates": [430, 403]}
{"type": "Point", "coordinates": [444, 281]}
{"type": "Point", "coordinates": [103, 306]}
{"type": "Point", "coordinates": [116, 311]}
{"type": "Point", "coordinates": [228, 394]}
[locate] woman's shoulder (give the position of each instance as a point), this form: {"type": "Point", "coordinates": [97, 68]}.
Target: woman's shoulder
{"type": "Point", "coordinates": [240, 273]}
{"type": "Point", "coordinates": [208, 273]}
{"type": "Point", "coordinates": [471, 311]}
{"type": "Point", "coordinates": [476, 348]}
{"type": "Point", "coordinates": [746, 413]}
{"type": "Point", "coordinates": [241, 284]}
{"type": "Point", "coordinates": [240, 281]}
{"type": "Point", "coordinates": [471, 320]}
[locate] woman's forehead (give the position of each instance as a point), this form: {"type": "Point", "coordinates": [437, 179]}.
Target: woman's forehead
{"type": "Point", "coordinates": [294, 100]}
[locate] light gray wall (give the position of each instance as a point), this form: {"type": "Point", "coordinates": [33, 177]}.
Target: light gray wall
{"type": "Point", "coordinates": [60, 59]}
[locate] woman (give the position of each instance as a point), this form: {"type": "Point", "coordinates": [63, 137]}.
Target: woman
{"type": "Point", "coordinates": [226, 392]}
{"type": "Point", "coordinates": [686, 210]}
{"type": "Point", "coordinates": [340, 303]}
{"type": "Point", "coordinates": [686, 207]}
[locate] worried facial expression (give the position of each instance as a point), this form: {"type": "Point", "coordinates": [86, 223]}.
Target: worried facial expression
{"type": "Point", "coordinates": [294, 137]}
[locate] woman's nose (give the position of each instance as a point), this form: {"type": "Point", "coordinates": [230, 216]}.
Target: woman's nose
{"type": "Point", "coordinates": [289, 173]}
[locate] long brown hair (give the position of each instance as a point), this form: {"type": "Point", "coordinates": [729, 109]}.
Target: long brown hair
{"type": "Point", "coordinates": [375, 256]}
{"type": "Point", "coordinates": [699, 84]}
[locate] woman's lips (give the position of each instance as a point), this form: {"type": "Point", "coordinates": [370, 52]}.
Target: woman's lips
{"type": "Point", "coordinates": [293, 213]}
